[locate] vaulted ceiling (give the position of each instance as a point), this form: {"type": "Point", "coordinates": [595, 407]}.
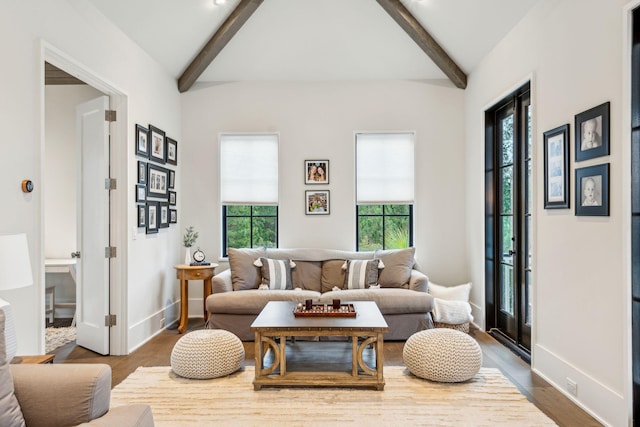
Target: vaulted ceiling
{"type": "Point", "coordinates": [315, 40]}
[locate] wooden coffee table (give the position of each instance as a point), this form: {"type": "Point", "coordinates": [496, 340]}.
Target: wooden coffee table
{"type": "Point", "coordinates": [276, 322]}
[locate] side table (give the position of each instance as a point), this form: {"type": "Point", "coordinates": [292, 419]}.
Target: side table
{"type": "Point", "coordinates": [184, 273]}
{"type": "Point", "coordinates": [33, 360]}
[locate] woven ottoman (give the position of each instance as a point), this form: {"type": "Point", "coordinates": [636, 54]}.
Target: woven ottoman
{"type": "Point", "coordinates": [207, 353]}
{"type": "Point", "coordinates": [442, 355]}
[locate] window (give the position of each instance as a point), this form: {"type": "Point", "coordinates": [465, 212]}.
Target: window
{"type": "Point", "coordinates": [249, 190]}
{"type": "Point", "coordinates": [384, 190]}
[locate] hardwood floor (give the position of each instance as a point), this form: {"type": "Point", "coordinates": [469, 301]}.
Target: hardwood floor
{"type": "Point", "coordinates": [157, 352]}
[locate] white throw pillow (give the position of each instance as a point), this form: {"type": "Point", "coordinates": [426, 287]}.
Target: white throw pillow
{"type": "Point", "coordinates": [451, 293]}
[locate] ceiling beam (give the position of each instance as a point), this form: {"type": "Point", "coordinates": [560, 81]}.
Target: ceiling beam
{"type": "Point", "coordinates": [218, 41]}
{"type": "Point", "coordinates": [55, 76]}
{"type": "Point", "coordinates": [423, 39]}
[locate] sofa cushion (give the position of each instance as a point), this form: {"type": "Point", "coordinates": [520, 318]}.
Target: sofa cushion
{"type": "Point", "coordinates": [252, 301]}
{"type": "Point", "coordinates": [276, 273]}
{"type": "Point", "coordinates": [307, 275]}
{"type": "Point", "coordinates": [389, 300]}
{"type": "Point", "coordinates": [10, 413]}
{"type": "Point", "coordinates": [245, 275]}
{"type": "Point", "coordinates": [360, 274]}
{"type": "Point", "coordinates": [332, 274]}
{"type": "Point", "coordinates": [398, 264]}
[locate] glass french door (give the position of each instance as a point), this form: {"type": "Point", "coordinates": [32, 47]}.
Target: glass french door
{"type": "Point", "coordinates": [508, 175]}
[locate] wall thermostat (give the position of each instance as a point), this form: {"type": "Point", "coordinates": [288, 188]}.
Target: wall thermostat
{"type": "Point", "coordinates": [27, 186]}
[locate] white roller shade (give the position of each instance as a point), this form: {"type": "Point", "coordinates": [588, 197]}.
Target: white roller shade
{"type": "Point", "coordinates": [249, 169]}
{"type": "Point", "coordinates": [384, 168]}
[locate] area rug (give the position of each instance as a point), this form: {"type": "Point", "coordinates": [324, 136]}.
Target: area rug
{"type": "Point", "coordinates": [489, 399]}
{"type": "Point", "coordinates": [57, 337]}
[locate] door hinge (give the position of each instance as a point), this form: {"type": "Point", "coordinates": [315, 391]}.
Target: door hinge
{"type": "Point", "coordinates": [109, 115]}
{"type": "Point", "coordinates": [110, 184]}
{"type": "Point", "coordinates": [110, 320]}
{"type": "Point", "coordinates": [110, 252]}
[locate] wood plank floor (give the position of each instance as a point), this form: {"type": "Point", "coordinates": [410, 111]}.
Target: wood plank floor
{"type": "Point", "coordinates": [157, 352]}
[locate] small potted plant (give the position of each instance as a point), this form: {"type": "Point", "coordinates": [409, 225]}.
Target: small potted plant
{"type": "Point", "coordinates": [189, 239]}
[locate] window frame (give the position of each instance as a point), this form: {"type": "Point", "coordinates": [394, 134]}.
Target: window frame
{"type": "Point", "coordinates": [384, 216]}
{"type": "Point", "coordinates": [251, 216]}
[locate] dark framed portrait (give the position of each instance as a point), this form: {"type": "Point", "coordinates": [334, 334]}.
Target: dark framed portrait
{"type": "Point", "coordinates": [317, 202]}
{"type": "Point", "coordinates": [172, 198]}
{"type": "Point", "coordinates": [142, 172]}
{"type": "Point", "coordinates": [142, 216]}
{"type": "Point", "coordinates": [592, 190]}
{"type": "Point", "coordinates": [153, 219]}
{"type": "Point", "coordinates": [592, 133]}
{"type": "Point", "coordinates": [157, 181]}
{"type": "Point", "coordinates": [316, 171]}
{"type": "Point", "coordinates": [157, 145]}
{"type": "Point", "coordinates": [164, 215]}
{"type": "Point", "coordinates": [172, 179]}
{"type": "Point", "coordinates": [141, 193]}
{"type": "Point", "coordinates": [173, 216]}
{"type": "Point", "coordinates": [142, 141]}
{"type": "Point", "coordinates": [556, 168]}
{"type": "Point", "coordinates": [172, 151]}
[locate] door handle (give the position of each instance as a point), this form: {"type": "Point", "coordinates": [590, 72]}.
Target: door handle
{"type": "Point", "coordinates": [511, 252]}
{"type": "Point", "coordinates": [75, 254]}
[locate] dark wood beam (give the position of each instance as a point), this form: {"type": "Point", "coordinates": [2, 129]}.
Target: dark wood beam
{"type": "Point", "coordinates": [55, 76]}
{"type": "Point", "coordinates": [218, 41]}
{"type": "Point", "coordinates": [412, 27]}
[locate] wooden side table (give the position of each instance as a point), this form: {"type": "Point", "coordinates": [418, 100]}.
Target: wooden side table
{"type": "Point", "coordinates": [184, 273]}
{"type": "Point", "coordinates": [33, 360]}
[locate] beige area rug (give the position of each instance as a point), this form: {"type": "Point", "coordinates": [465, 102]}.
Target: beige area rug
{"type": "Point", "coordinates": [57, 337]}
{"type": "Point", "coordinates": [489, 399]}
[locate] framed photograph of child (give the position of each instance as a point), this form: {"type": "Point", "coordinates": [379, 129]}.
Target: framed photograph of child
{"type": "Point", "coordinates": [556, 168]}
{"type": "Point", "coordinates": [164, 215]}
{"type": "Point", "coordinates": [592, 190]}
{"type": "Point", "coordinates": [172, 151]}
{"type": "Point", "coordinates": [142, 142]}
{"type": "Point", "coordinates": [157, 145]}
{"type": "Point", "coordinates": [173, 216]}
{"type": "Point", "coordinates": [141, 193]}
{"type": "Point", "coordinates": [142, 172]}
{"type": "Point", "coordinates": [317, 202]}
{"type": "Point", "coordinates": [142, 216]}
{"type": "Point", "coordinates": [592, 133]}
{"type": "Point", "coordinates": [153, 217]}
{"type": "Point", "coordinates": [157, 181]}
{"type": "Point", "coordinates": [316, 171]}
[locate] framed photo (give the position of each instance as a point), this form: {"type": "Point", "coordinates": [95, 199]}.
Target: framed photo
{"type": "Point", "coordinates": [317, 202]}
{"type": "Point", "coordinates": [316, 171]}
{"type": "Point", "coordinates": [153, 219]}
{"type": "Point", "coordinates": [592, 190]}
{"type": "Point", "coordinates": [141, 193]}
{"type": "Point", "coordinates": [142, 172]}
{"type": "Point", "coordinates": [172, 198]}
{"type": "Point", "coordinates": [172, 151]}
{"type": "Point", "coordinates": [172, 179]}
{"type": "Point", "coordinates": [556, 168]}
{"type": "Point", "coordinates": [173, 216]}
{"type": "Point", "coordinates": [142, 216]}
{"type": "Point", "coordinates": [157, 181]}
{"type": "Point", "coordinates": [164, 215]}
{"type": "Point", "coordinates": [142, 141]}
{"type": "Point", "coordinates": [157, 145]}
{"type": "Point", "coordinates": [592, 133]}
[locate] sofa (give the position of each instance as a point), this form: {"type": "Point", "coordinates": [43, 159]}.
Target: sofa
{"type": "Point", "coordinates": [61, 395]}
{"type": "Point", "coordinates": [257, 276]}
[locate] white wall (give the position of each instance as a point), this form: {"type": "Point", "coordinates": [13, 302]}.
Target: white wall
{"type": "Point", "coordinates": [572, 49]}
{"type": "Point", "coordinates": [318, 121]}
{"type": "Point", "coordinates": [84, 36]}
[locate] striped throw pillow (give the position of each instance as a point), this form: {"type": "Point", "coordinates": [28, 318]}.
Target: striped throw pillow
{"type": "Point", "coordinates": [276, 273]}
{"type": "Point", "coordinates": [361, 273]}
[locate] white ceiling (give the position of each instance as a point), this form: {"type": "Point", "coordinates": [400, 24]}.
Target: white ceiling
{"type": "Point", "coordinates": [315, 39]}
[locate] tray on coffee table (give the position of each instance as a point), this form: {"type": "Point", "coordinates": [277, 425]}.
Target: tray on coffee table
{"type": "Point", "coordinates": [325, 310]}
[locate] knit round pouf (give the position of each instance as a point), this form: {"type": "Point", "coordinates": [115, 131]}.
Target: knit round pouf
{"type": "Point", "coordinates": [442, 355]}
{"type": "Point", "coordinates": [207, 353]}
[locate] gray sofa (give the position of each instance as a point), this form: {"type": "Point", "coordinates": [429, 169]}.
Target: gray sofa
{"type": "Point", "coordinates": [401, 297]}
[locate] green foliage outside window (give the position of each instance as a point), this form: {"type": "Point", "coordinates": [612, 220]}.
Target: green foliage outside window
{"type": "Point", "coordinates": [384, 227]}
{"type": "Point", "coordinates": [250, 226]}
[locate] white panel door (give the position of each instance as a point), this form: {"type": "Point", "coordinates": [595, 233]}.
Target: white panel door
{"type": "Point", "coordinates": [92, 285]}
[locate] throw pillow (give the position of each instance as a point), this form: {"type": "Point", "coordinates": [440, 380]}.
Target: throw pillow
{"type": "Point", "coordinates": [332, 274]}
{"type": "Point", "coordinates": [361, 273]}
{"type": "Point", "coordinates": [10, 413]}
{"type": "Point", "coordinates": [244, 275]}
{"type": "Point", "coordinates": [451, 293]}
{"type": "Point", "coordinates": [276, 273]}
{"type": "Point", "coordinates": [307, 275]}
{"type": "Point", "coordinates": [397, 267]}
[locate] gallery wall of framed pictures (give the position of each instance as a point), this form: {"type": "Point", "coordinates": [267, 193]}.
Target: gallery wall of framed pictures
{"type": "Point", "coordinates": [155, 193]}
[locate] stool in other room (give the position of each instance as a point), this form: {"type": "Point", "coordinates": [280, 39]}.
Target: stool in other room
{"type": "Point", "coordinates": [207, 353]}
{"type": "Point", "coordinates": [50, 291]}
{"type": "Point", "coordinates": [442, 355]}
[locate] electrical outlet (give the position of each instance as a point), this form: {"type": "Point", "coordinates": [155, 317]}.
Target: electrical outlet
{"type": "Point", "coordinates": [162, 323]}
{"type": "Point", "coordinates": [572, 386]}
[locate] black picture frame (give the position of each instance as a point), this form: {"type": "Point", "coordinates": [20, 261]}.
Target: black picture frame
{"type": "Point", "coordinates": [157, 145]}
{"type": "Point", "coordinates": [311, 175]}
{"type": "Point", "coordinates": [173, 216]}
{"type": "Point", "coordinates": [173, 196]}
{"type": "Point", "coordinates": [172, 179]}
{"type": "Point", "coordinates": [594, 202]}
{"type": "Point", "coordinates": [317, 202]}
{"type": "Point", "coordinates": [142, 141]}
{"type": "Point", "coordinates": [172, 151]}
{"type": "Point", "coordinates": [164, 215]}
{"type": "Point", "coordinates": [142, 216]}
{"type": "Point", "coordinates": [556, 168]}
{"type": "Point", "coordinates": [142, 172]}
{"type": "Point", "coordinates": [141, 193]}
{"type": "Point", "coordinates": [592, 133]}
{"type": "Point", "coordinates": [153, 217]}
{"type": "Point", "coordinates": [157, 182]}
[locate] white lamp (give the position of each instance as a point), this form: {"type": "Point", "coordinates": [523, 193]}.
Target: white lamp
{"type": "Point", "coordinates": [15, 272]}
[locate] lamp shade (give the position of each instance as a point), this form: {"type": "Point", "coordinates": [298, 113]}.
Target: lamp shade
{"type": "Point", "coordinates": [15, 267]}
